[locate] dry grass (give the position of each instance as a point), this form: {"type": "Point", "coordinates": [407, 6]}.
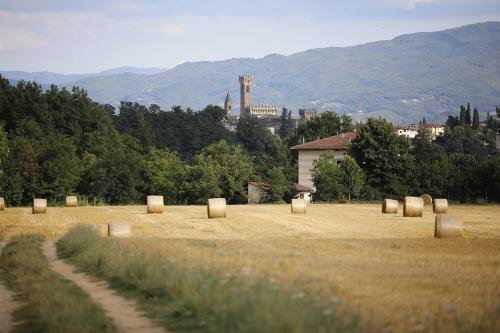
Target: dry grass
{"type": "Point", "coordinates": [388, 268]}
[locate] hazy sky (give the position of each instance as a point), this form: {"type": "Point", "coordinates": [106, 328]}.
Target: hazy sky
{"type": "Point", "coordinates": [91, 35]}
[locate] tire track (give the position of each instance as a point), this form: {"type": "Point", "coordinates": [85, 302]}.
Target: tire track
{"type": "Point", "coordinates": [122, 311]}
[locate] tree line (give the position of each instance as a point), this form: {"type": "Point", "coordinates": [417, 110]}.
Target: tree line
{"type": "Point", "coordinates": [461, 164]}
{"type": "Point", "coordinates": [59, 142]}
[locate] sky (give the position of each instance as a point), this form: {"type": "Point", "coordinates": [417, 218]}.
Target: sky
{"type": "Point", "coordinates": [87, 36]}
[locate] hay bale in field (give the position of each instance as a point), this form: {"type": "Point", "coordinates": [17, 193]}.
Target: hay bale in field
{"type": "Point", "coordinates": [390, 206]}
{"type": "Point", "coordinates": [100, 229]}
{"type": "Point", "coordinates": [440, 206]}
{"type": "Point", "coordinates": [155, 204]}
{"type": "Point", "coordinates": [119, 229]}
{"type": "Point", "coordinates": [2, 204]}
{"type": "Point", "coordinates": [216, 207]}
{"type": "Point", "coordinates": [299, 206]}
{"type": "Point", "coordinates": [427, 199]}
{"type": "Point", "coordinates": [448, 226]}
{"type": "Point", "coordinates": [72, 201]}
{"type": "Point", "coordinates": [39, 206]}
{"type": "Point", "coordinates": [413, 207]}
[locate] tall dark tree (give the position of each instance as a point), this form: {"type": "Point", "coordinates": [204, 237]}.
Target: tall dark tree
{"type": "Point", "coordinates": [491, 122]}
{"type": "Point", "coordinates": [468, 119]}
{"type": "Point", "coordinates": [452, 121]}
{"type": "Point", "coordinates": [475, 120]}
{"type": "Point", "coordinates": [461, 118]}
{"type": "Point", "coordinates": [283, 131]}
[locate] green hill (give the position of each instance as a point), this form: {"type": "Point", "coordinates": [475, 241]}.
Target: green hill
{"type": "Point", "coordinates": [404, 79]}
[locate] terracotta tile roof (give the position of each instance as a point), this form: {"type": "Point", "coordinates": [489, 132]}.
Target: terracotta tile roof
{"type": "Point", "coordinates": [260, 185]}
{"type": "Point", "coordinates": [337, 142]}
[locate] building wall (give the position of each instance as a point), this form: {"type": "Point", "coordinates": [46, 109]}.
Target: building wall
{"type": "Point", "coordinates": [264, 110]}
{"type": "Point", "coordinates": [306, 114]}
{"type": "Point", "coordinates": [306, 159]}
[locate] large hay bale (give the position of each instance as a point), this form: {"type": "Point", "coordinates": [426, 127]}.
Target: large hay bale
{"type": "Point", "coordinates": [299, 206]}
{"type": "Point", "coordinates": [155, 204]}
{"type": "Point", "coordinates": [440, 206]}
{"type": "Point", "coordinates": [390, 206]}
{"type": "Point", "coordinates": [39, 206]}
{"type": "Point", "coordinates": [100, 229]}
{"type": "Point", "coordinates": [72, 201]}
{"type": "Point", "coordinates": [2, 204]}
{"type": "Point", "coordinates": [448, 226]}
{"type": "Point", "coordinates": [427, 199]}
{"type": "Point", "coordinates": [413, 207]}
{"type": "Point", "coordinates": [216, 207]}
{"type": "Point", "coordinates": [119, 229]}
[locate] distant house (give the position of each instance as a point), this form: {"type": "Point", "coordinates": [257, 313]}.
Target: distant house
{"type": "Point", "coordinates": [257, 192]}
{"type": "Point", "coordinates": [408, 131]}
{"type": "Point", "coordinates": [310, 151]}
{"type": "Point", "coordinates": [411, 131]}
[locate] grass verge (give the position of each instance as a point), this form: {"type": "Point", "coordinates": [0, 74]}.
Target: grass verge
{"type": "Point", "coordinates": [52, 304]}
{"type": "Point", "coordinates": [201, 300]}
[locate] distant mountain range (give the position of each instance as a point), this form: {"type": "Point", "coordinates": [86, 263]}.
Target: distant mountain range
{"type": "Point", "coordinates": [404, 79]}
{"type": "Point", "coordinates": [47, 78]}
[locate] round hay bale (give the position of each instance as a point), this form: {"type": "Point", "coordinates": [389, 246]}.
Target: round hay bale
{"type": "Point", "coordinates": [155, 204]}
{"type": "Point", "coordinates": [100, 229]}
{"type": "Point", "coordinates": [390, 206]}
{"type": "Point", "coordinates": [119, 229]}
{"type": "Point", "coordinates": [448, 226]}
{"type": "Point", "coordinates": [427, 199]}
{"type": "Point", "coordinates": [440, 206]}
{"type": "Point", "coordinates": [72, 201]}
{"type": "Point", "coordinates": [216, 207]}
{"type": "Point", "coordinates": [2, 204]}
{"type": "Point", "coordinates": [413, 207]}
{"type": "Point", "coordinates": [299, 206]}
{"type": "Point", "coordinates": [39, 206]}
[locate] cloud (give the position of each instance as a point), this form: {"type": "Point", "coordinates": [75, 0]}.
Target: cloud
{"type": "Point", "coordinates": [18, 39]}
{"type": "Point", "coordinates": [172, 29]}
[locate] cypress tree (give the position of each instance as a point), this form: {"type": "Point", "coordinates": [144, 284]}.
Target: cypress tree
{"type": "Point", "coordinates": [289, 123]}
{"type": "Point", "coordinates": [468, 115]}
{"type": "Point", "coordinates": [462, 115]}
{"type": "Point", "coordinates": [475, 120]}
{"type": "Point", "coordinates": [283, 131]}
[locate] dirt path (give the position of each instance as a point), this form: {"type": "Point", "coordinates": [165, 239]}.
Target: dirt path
{"type": "Point", "coordinates": [122, 311]}
{"type": "Point", "coordinates": [7, 305]}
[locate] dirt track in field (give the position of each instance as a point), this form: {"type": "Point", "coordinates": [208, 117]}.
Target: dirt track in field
{"type": "Point", "coordinates": [122, 311]}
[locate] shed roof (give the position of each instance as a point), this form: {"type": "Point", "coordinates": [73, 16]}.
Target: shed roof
{"type": "Point", "coordinates": [336, 142]}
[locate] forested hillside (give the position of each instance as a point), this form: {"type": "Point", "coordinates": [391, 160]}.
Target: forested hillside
{"type": "Point", "coordinates": [402, 80]}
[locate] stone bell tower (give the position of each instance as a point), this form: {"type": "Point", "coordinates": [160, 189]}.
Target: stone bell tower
{"type": "Point", "coordinates": [245, 94]}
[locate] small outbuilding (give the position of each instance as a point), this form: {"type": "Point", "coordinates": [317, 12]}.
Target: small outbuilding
{"type": "Point", "coordinates": [257, 192]}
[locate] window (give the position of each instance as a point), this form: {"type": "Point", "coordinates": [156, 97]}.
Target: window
{"type": "Point", "coordinates": [248, 89]}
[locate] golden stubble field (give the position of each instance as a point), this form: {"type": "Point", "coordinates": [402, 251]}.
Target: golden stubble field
{"type": "Point", "coordinates": [388, 269]}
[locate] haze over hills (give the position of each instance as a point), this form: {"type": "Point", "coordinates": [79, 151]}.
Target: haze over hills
{"type": "Point", "coordinates": [404, 79]}
{"type": "Point", "coordinates": [47, 78]}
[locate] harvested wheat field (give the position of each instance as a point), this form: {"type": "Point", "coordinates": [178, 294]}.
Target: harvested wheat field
{"type": "Point", "coordinates": [388, 269]}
